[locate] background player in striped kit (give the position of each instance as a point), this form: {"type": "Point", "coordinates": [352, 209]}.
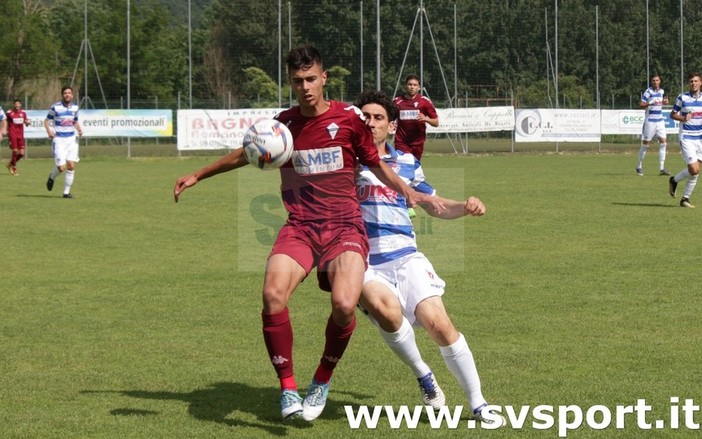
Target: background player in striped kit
{"type": "Point", "coordinates": [688, 111]}
{"type": "Point", "coordinates": [653, 100]}
{"type": "Point", "coordinates": [62, 125]}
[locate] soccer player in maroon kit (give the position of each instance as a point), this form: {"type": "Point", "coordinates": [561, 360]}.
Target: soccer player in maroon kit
{"type": "Point", "coordinates": [17, 120]}
{"type": "Point", "coordinates": [324, 228]}
{"type": "Point", "coordinates": [415, 112]}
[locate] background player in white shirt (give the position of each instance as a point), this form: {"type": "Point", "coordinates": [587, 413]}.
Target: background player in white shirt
{"type": "Point", "coordinates": [400, 285]}
{"type": "Point", "coordinates": [653, 100]}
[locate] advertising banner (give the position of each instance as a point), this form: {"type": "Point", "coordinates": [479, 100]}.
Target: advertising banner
{"type": "Point", "coordinates": [473, 120]}
{"type": "Point", "coordinates": [549, 125]}
{"type": "Point", "coordinates": [217, 129]}
{"type": "Point", "coordinates": [631, 122]}
{"type": "Point", "coordinates": [110, 123]}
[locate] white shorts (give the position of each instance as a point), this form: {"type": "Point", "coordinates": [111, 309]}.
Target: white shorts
{"type": "Point", "coordinates": [65, 150]}
{"type": "Point", "coordinates": [411, 278]}
{"type": "Point", "coordinates": [691, 149]}
{"type": "Point", "coordinates": [653, 130]}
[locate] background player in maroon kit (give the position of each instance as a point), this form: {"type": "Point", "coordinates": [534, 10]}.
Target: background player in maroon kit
{"type": "Point", "coordinates": [16, 119]}
{"type": "Point", "coordinates": [415, 112]}
{"type": "Point", "coordinates": [324, 228]}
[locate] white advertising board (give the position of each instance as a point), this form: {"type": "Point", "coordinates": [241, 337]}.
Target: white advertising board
{"type": "Point", "coordinates": [553, 125]}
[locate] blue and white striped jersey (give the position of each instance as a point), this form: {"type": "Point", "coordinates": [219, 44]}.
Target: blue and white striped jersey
{"type": "Point", "coordinates": [687, 104]}
{"type": "Point", "coordinates": [389, 228]}
{"type": "Point", "coordinates": [63, 117]}
{"type": "Point", "coordinates": [654, 99]}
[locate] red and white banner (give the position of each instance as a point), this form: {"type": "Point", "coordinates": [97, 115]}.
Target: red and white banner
{"type": "Point", "coordinates": [217, 129]}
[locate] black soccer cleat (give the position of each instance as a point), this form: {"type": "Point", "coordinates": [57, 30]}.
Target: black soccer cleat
{"type": "Point", "coordinates": [672, 186]}
{"type": "Point", "coordinates": [50, 184]}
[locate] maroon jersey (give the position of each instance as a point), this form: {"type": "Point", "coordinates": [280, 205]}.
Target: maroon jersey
{"type": "Point", "coordinates": [15, 123]}
{"type": "Point", "coordinates": [318, 183]}
{"type": "Point", "coordinates": [411, 133]}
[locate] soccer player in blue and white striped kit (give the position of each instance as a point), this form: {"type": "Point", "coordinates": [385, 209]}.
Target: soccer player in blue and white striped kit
{"type": "Point", "coordinates": [61, 125]}
{"type": "Point", "coordinates": [688, 111]}
{"type": "Point", "coordinates": [653, 100]}
{"type": "Point", "coordinates": [401, 287]}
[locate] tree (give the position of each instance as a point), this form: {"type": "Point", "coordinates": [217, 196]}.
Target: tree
{"type": "Point", "coordinates": [336, 82]}
{"type": "Point", "coordinates": [259, 87]}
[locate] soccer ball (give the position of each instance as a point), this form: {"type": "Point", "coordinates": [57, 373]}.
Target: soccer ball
{"type": "Point", "coordinates": [268, 144]}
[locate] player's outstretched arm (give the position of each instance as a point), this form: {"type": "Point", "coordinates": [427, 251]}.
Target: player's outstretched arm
{"type": "Point", "coordinates": [229, 162]}
{"type": "Point", "coordinates": [392, 180]}
{"type": "Point", "coordinates": [456, 209]}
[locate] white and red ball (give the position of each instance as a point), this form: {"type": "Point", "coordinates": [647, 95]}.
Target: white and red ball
{"type": "Point", "coordinates": [268, 144]}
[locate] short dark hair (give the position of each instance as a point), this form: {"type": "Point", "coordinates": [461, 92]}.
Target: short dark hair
{"type": "Point", "coordinates": [303, 57]}
{"type": "Point", "coordinates": [693, 74]}
{"type": "Point", "coordinates": [66, 87]}
{"type": "Point", "coordinates": [380, 98]}
{"type": "Point", "coordinates": [411, 76]}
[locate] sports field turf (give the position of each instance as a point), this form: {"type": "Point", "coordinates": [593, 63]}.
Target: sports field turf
{"type": "Point", "coordinates": [123, 314]}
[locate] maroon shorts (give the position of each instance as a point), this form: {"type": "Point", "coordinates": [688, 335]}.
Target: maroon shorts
{"type": "Point", "coordinates": [316, 244]}
{"type": "Point", "coordinates": [16, 142]}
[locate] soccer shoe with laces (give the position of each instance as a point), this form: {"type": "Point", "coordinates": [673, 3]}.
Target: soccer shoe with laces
{"type": "Point", "coordinates": [315, 400]}
{"type": "Point", "coordinates": [10, 168]}
{"type": "Point", "coordinates": [672, 186]}
{"type": "Point", "coordinates": [290, 404]}
{"type": "Point", "coordinates": [50, 184]}
{"type": "Point", "coordinates": [432, 395]}
{"type": "Point", "coordinates": [664, 172]}
{"type": "Point", "coordinates": [686, 203]}
{"type": "Point", "coordinates": [480, 414]}
{"type": "Point", "coordinates": [639, 172]}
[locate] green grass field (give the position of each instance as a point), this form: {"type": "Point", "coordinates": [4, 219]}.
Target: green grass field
{"type": "Point", "coordinates": [123, 314]}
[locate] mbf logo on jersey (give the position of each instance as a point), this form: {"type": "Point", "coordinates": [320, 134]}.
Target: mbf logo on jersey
{"type": "Point", "coordinates": [409, 114]}
{"type": "Point", "coordinates": [318, 160]}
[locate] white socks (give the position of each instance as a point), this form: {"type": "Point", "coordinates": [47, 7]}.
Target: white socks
{"type": "Point", "coordinates": [404, 345]}
{"type": "Point", "coordinates": [54, 173]}
{"type": "Point", "coordinates": [642, 154]}
{"type": "Point", "coordinates": [68, 182]}
{"type": "Point", "coordinates": [661, 155]}
{"type": "Point", "coordinates": [690, 186]}
{"type": "Point", "coordinates": [459, 360]}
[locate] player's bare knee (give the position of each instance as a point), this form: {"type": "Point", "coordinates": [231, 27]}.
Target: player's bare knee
{"type": "Point", "coordinates": [343, 307]}
{"type": "Point", "coordinates": [274, 300]}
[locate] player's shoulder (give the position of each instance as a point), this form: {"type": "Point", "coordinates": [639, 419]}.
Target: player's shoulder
{"type": "Point", "coordinates": [344, 111]}
{"type": "Point", "coordinates": [289, 114]}
{"type": "Point", "coordinates": [425, 99]}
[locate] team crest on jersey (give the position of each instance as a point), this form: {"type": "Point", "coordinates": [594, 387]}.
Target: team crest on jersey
{"type": "Point", "coordinates": [416, 104]}
{"type": "Point", "coordinates": [332, 129]}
